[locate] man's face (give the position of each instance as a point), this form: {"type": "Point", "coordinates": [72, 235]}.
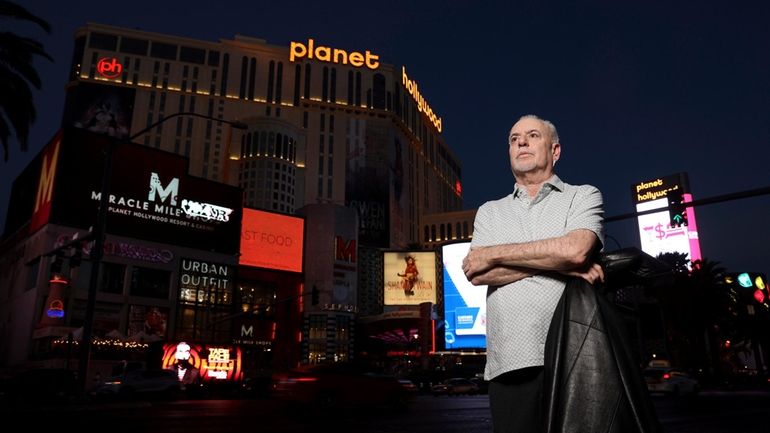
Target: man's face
{"type": "Point", "coordinates": [530, 148]}
{"type": "Point", "coordinates": [182, 352]}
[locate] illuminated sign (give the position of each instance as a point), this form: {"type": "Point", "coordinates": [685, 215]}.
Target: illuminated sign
{"type": "Point", "coordinates": [298, 50]}
{"type": "Point", "coordinates": [206, 214]}
{"type": "Point", "coordinates": [196, 214]}
{"type": "Point", "coordinates": [56, 309]}
{"type": "Point", "coordinates": [271, 240]}
{"type": "Point", "coordinates": [109, 67]}
{"type": "Point", "coordinates": [138, 252]}
{"type": "Point", "coordinates": [210, 362]}
{"type": "Point", "coordinates": [410, 278]}
{"type": "Point", "coordinates": [465, 305]}
{"type": "Point", "coordinates": [42, 209]}
{"type": "Point", "coordinates": [422, 106]}
{"type": "Point", "coordinates": [204, 281]}
{"type": "Point", "coordinates": [655, 231]}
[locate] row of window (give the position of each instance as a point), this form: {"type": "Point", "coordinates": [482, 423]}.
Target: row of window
{"type": "Point", "coordinates": [156, 49]}
{"type": "Point", "coordinates": [445, 232]}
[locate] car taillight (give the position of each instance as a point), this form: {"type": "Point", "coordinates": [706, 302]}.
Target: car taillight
{"type": "Point", "coordinates": [666, 376]}
{"type": "Point", "coordinates": [305, 379]}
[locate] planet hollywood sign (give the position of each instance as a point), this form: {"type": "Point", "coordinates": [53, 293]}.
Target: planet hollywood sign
{"type": "Point", "coordinates": [313, 51]}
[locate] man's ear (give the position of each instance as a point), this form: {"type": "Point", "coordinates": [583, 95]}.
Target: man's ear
{"type": "Point", "coordinates": [556, 151]}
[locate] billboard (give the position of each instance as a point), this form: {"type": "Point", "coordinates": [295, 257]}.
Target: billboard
{"type": "Point", "coordinates": [656, 234]}
{"type": "Point", "coordinates": [367, 181]}
{"type": "Point", "coordinates": [409, 277]}
{"type": "Point", "coordinates": [272, 240]}
{"type": "Point", "coordinates": [465, 305]}
{"type": "Point", "coordinates": [198, 363]}
{"type": "Point", "coordinates": [100, 108]}
{"type": "Point", "coordinates": [151, 196]}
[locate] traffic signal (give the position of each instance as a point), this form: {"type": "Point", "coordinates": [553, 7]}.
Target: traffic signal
{"type": "Point", "coordinates": [314, 296]}
{"type": "Point", "coordinates": [77, 255]}
{"type": "Point", "coordinates": [677, 212]}
{"type": "Point", "coordinates": [752, 284]}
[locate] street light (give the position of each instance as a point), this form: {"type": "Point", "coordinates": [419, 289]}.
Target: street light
{"type": "Point", "coordinates": [234, 123]}
{"type": "Point", "coordinates": [99, 231]}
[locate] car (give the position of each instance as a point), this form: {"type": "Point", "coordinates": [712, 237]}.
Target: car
{"type": "Point", "coordinates": [670, 381]}
{"type": "Point", "coordinates": [133, 383]}
{"type": "Point", "coordinates": [48, 385]}
{"type": "Point", "coordinates": [482, 384]}
{"type": "Point", "coordinates": [455, 386]}
{"type": "Point", "coordinates": [409, 385]}
{"type": "Point", "coordinates": [333, 386]}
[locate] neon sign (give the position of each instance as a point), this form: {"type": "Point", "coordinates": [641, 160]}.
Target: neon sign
{"type": "Point", "coordinates": [298, 50]}
{"type": "Point", "coordinates": [422, 106]}
{"type": "Point", "coordinates": [109, 67]}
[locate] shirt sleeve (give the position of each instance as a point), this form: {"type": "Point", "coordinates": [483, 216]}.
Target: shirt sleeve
{"type": "Point", "coordinates": [587, 212]}
{"type": "Point", "coordinates": [481, 227]}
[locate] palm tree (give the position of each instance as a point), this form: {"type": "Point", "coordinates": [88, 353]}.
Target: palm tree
{"type": "Point", "coordinates": [17, 111]}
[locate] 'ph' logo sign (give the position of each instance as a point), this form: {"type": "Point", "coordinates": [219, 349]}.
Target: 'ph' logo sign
{"type": "Point", "coordinates": [109, 67]}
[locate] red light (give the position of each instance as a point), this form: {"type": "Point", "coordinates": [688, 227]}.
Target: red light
{"type": "Point", "coordinates": [458, 188]}
{"type": "Point", "coordinates": [109, 67]}
{"type": "Point", "coordinates": [306, 379]}
{"type": "Point", "coordinates": [666, 376]}
{"type": "Point", "coordinates": [759, 296]}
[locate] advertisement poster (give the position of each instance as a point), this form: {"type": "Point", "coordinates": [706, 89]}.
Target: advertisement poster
{"type": "Point", "coordinates": [100, 108]}
{"type": "Point", "coordinates": [366, 183]}
{"type": "Point", "coordinates": [410, 277]}
{"type": "Point", "coordinates": [465, 305]}
{"type": "Point", "coordinates": [147, 323]}
{"type": "Point", "coordinates": [196, 363]}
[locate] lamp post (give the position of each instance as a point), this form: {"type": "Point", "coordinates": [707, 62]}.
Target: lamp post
{"type": "Point", "coordinates": [99, 232]}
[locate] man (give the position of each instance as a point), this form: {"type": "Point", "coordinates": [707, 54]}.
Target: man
{"type": "Point", "coordinates": [525, 247]}
{"type": "Point", "coordinates": [187, 373]}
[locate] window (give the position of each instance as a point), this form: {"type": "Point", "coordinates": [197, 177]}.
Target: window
{"type": "Point", "coordinates": [378, 92]}
{"type": "Point", "coordinates": [103, 41]}
{"type": "Point", "coordinates": [192, 55]}
{"type": "Point", "coordinates": [134, 46]}
{"type": "Point", "coordinates": [112, 277]}
{"type": "Point", "coordinates": [213, 58]}
{"type": "Point", "coordinates": [152, 283]}
{"type": "Point", "coordinates": [160, 50]}
{"type": "Point", "coordinates": [317, 328]}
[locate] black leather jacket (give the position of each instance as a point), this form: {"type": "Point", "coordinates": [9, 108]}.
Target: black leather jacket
{"type": "Point", "coordinates": [592, 381]}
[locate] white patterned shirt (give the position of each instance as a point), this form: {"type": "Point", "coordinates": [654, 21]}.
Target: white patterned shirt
{"type": "Point", "coordinates": [519, 314]}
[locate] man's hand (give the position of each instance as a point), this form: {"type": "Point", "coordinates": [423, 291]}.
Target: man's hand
{"type": "Point", "coordinates": [591, 273]}
{"type": "Point", "coordinates": [476, 262]}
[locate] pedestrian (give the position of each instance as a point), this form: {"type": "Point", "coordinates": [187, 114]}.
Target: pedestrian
{"type": "Point", "coordinates": [525, 247]}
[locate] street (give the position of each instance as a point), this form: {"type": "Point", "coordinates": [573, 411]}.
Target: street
{"type": "Point", "coordinates": [710, 412]}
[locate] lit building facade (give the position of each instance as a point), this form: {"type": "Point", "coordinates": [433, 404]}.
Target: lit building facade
{"type": "Point", "coordinates": [325, 124]}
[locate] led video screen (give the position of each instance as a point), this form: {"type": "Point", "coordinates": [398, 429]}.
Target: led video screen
{"type": "Point", "coordinates": [465, 305]}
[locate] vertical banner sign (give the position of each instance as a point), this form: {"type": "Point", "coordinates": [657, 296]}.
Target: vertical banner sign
{"type": "Point", "coordinates": [655, 230]}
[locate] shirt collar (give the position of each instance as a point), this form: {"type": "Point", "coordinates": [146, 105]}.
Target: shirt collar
{"type": "Point", "coordinates": [553, 183]}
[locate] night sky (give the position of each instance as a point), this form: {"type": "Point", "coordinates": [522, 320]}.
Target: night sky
{"type": "Point", "coordinates": [636, 92]}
